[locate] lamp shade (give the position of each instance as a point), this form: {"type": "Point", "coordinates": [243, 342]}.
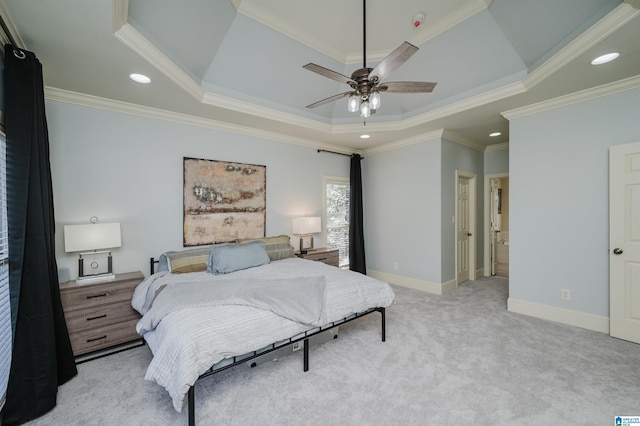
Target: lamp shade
{"type": "Point", "coordinates": [306, 225]}
{"type": "Point", "coordinates": [95, 236]}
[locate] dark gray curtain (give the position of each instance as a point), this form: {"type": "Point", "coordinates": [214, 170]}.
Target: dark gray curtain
{"type": "Point", "coordinates": [356, 227]}
{"type": "Point", "coordinates": [42, 358]}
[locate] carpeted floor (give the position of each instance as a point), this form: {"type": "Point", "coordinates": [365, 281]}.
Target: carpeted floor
{"type": "Point", "coordinates": [454, 359]}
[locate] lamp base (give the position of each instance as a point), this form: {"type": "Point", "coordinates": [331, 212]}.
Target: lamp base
{"type": "Point", "coordinates": [306, 242]}
{"type": "Point", "coordinates": [102, 276]}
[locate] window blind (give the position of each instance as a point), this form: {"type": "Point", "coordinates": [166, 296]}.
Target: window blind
{"type": "Point", "coordinates": [5, 307]}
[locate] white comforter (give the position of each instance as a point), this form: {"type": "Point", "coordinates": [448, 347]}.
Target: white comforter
{"type": "Point", "coordinates": [186, 343]}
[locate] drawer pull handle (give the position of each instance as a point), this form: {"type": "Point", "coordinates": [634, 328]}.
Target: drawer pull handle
{"type": "Point", "coordinates": [321, 259]}
{"type": "Point", "coordinates": [97, 338]}
{"type": "Point", "coordinates": [98, 317]}
{"type": "Point", "coordinates": [96, 295]}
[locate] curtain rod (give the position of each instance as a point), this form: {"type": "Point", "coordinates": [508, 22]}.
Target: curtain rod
{"type": "Point", "coordinates": [338, 153]}
{"type": "Point", "coordinates": [7, 32]}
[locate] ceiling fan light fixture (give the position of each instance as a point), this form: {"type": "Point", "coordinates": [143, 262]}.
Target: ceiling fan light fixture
{"type": "Point", "coordinates": [364, 82]}
{"type": "Point", "coordinates": [375, 99]}
{"type": "Point", "coordinates": [354, 103]}
{"type": "Point", "coordinates": [365, 109]}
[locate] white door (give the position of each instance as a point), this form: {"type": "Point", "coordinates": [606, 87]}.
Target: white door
{"type": "Point", "coordinates": [624, 238]}
{"type": "Point", "coordinates": [463, 229]}
{"type": "Point", "coordinates": [494, 226]}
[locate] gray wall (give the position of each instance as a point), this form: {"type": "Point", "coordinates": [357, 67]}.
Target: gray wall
{"type": "Point", "coordinates": [559, 222]}
{"type": "Point", "coordinates": [496, 161]}
{"type": "Point", "coordinates": [128, 168]}
{"type": "Point", "coordinates": [409, 202]}
{"type": "Point", "coordinates": [402, 210]}
{"type": "Point", "coordinates": [464, 159]}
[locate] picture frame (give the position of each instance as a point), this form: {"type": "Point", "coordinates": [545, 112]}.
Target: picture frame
{"type": "Point", "coordinates": [222, 201]}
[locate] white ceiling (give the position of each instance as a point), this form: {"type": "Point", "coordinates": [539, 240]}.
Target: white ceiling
{"type": "Point", "coordinates": [238, 64]}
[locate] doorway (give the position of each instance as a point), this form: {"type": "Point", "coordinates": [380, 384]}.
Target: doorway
{"type": "Point", "coordinates": [497, 225]}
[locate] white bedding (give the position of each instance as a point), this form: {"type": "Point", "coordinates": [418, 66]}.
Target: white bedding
{"type": "Point", "coordinates": [186, 343]}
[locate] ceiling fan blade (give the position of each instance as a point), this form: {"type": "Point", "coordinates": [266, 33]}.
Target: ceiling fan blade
{"type": "Point", "coordinates": [326, 72]}
{"type": "Point", "coordinates": [329, 99]}
{"type": "Point", "coordinates": [407, 87]}
{"type": "Point", "coordinates": [393, 60]}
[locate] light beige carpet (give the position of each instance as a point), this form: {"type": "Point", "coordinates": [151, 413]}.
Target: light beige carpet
{"type": "Point", "coordinates": [454, 359]}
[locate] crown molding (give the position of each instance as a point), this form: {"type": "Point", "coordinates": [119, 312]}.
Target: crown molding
{"type": "Point", "coordinates": [135, 41]}
{"type": "Point", "coordinates": [226, 102]}
{"type": "Point", "coordinates": [442, 25]}
{"type": "Point", "coordinates": [465, 104]}
{"type": "Point", "coordinates": [599, 31]}
{"type": "Point", "coordinates": [131, 38]}
{"type": "Point", "coordinates": [581, 96]}
{"type": "Point", "coordinates": [633, 3]}
{"type": "Point", "coordinates": [265, 17]}
{"type": "Point", "coordinates": [461, 140]}
{"type": "Point", "coordinates": [12, 29]}
{"type": "Point", "coordinates": [496, 147]}
{"type": "Point", "coordinates": [120, 14]}
{"type": "Point", "coordinates": [429, 32]}
{"type": "Point", "coordinates": [60, 95]}
{"type": "Point", "coordinates": [436, 134]}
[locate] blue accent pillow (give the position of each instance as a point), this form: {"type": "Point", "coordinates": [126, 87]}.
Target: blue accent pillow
{"type": "Point", "coordinates": [235, 257]}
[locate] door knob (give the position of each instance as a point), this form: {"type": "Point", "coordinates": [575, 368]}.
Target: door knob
{"type": "Point", "coordinates": [617, 251]}
{"type": "Point", "coordinates": [469, 234]}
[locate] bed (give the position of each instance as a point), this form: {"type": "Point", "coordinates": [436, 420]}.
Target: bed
{"type": "Point", "coordinates": [208, 309]}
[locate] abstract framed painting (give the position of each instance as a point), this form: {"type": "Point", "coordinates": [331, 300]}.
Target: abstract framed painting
{"type": "Point", "coordinates": [223, 201]}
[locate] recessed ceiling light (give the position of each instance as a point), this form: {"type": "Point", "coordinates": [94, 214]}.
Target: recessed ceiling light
{"type": "Point", "coordinates": [603, 59]}
{"type": "Point", "coordinates": [365, 136]}
{"type": "Point", "coordinates": [140, 78]}
{"type": "Point", "coordinates": [494, 134]}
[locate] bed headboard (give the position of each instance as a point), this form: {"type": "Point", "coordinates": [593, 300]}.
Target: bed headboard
{"type": "Point", "coordinates": [152, 265]}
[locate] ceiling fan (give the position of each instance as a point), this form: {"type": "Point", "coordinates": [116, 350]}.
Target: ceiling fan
{"type": "Point", "coordinates": [366, 83]}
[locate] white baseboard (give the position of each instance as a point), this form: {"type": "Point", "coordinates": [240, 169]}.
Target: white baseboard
{"type": "Point", "coordinates": [416, 284]}
{"type": "Point", "coordinates": [561, 315]}
{"type": "Point", "coordinates": [449, 286]}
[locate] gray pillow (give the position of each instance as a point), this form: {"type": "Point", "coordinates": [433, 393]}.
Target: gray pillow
{"type": "Point", "coordinates": [235, 257]}
{"type": "Point", "coordinates": [279, 251]}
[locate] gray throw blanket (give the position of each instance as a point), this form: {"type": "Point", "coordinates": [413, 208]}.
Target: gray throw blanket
{"type": "Point", "coordinates": [300, 299]}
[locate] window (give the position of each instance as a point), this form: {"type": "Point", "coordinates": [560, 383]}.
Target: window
{"type": "Point", "coordinates": [336, 207]}
{"type": "Point", "coordinates": [5, 311]}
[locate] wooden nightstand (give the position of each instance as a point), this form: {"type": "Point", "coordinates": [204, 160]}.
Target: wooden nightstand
{"type": "Point", "coordinates": [99, 315]}
{"type": "Point", "coordinates": [327, 255]}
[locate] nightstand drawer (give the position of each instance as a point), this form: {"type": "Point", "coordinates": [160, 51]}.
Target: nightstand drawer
{"type": "Point", "coordinates": [99, 316]}
{"type": "Point", "coordinates": [330, 258]}
{"type": "Point", "coordinates": [83, 295]}
{"type": "Point", "coordinates": [103, 337]}
{"type": "Point", "coordinates": [325, 255]}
